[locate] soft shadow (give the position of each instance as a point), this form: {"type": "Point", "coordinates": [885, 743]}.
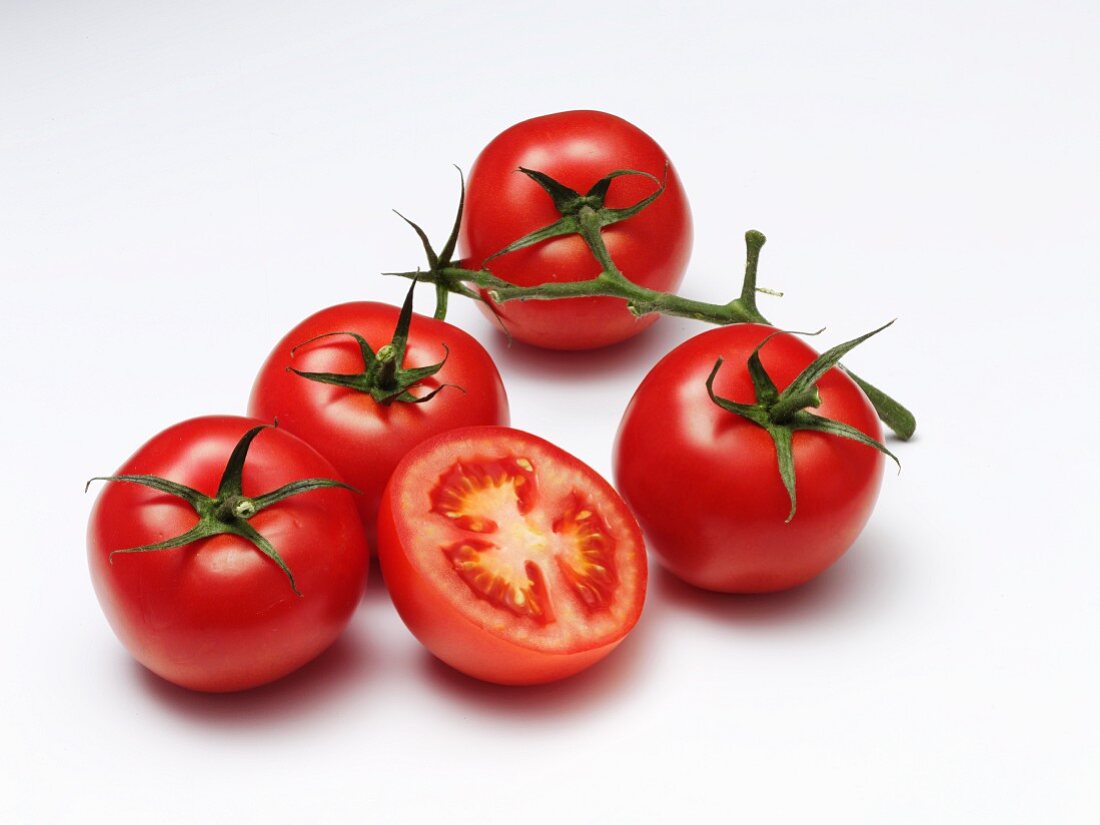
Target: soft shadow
{"type": "Point", "coordinates": [896, 441]}
{"type": "Point", "coordinates": [606, 681]}
{"type": "Point", "coordinates": [376, 588]}
{"type": "Point", "coordinates": [308, 690]}
{"type": "Point", "coordinates": [857, 583]}
{"type": "Point", "coordinates": [643, 350]}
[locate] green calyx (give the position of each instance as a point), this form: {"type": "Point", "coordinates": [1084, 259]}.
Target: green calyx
{"type": "Point", "coordinates": [442, 271]}
{"type": "Point", "coordinates": [781, 414]}
{"type": "Point", "coordinates": [229, 510]}
{"type": "Point", "coordinates": [384, 377]}
{"type": "Point", "coordinates": [583, 215]}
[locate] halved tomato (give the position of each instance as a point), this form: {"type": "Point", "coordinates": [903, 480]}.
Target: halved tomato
{"type": "Point", "coordinates": [508, 558]}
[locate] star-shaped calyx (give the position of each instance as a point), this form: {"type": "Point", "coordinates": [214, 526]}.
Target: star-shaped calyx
{"type": "Point", "coordinates": [228, 510]}
{"type": "Point", "coordinates": [581, 214]}
{"type": "Point", "coordinates": [384, 377]}
{"type": "Point", "coordinates": [784, 413]}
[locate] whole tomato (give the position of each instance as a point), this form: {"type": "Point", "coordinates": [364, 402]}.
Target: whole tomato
{"type": "Point", "coordinates": [705, 482]}
{"type": "Point", "coordinates": [576, 149]}
{"type": "Point", "coordinates": [218, 613]}
{"type": "Point", "coordinates": [362, 436]}
{"type": "Point", "coordinates": [509, 559]}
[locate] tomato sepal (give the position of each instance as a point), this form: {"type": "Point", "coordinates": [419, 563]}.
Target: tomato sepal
{"type": "Point", "coordinates": [579, 213]}
{"type": "Point", "coordinates": [441, 273]}
{"type": "Point", "coordinates": [228, 511]}
{"type": "Point", "coordinates": [384, 377]}
{"type": "Point", "coordinates": [781, 414]}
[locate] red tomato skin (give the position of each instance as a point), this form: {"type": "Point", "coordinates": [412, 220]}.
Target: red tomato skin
{"type": "Point", "coordinates": [576, 148]}
{"type": "Point", "coordinates": [363, 439]}
{"type": "Point", "coordinates": [704, 483]}
{"type": "Point", "coordinates": [458, 641]}
{"type": "Point", "coordinates": [217, 615]}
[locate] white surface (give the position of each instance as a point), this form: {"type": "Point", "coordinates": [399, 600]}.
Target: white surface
{"type": "Point", "coordinates": [181, 183]}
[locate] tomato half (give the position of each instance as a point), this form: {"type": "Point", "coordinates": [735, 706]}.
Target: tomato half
{"type": "Point", "coordinates": [705, 484]}
{"type": "Point", "coordinates": [502, 205]}
{"type": "Point", "coordinates": [362, 437]}
{"type": "Point", "coordinates": [508, 558]}
{"type": "Point", "coordinates": [217, 614]}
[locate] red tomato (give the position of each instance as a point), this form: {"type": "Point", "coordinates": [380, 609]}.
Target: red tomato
{"type": "Point", "coordinates": [508, 558]}
{"type": "Point", "coordinates": [362, 437]}
{"type": "Point", "coordinates": [502, 205]}
{"type": "Point", "coordinates": [217, 614]}
{"type": "Point", "coordinates": [705, 484]}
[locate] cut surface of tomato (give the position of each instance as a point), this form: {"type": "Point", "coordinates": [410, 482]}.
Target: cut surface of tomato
{"type": "Point", "coordinates": [509, 558]}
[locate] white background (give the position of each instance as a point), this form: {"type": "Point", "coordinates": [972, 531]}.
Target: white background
{"type": "Point", "coordinates": [180, 183]}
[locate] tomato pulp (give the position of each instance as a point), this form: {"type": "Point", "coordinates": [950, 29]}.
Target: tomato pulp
{"type": "Point", "coordinates": [704, 482]}
{"type": "Point", "coordinates": [502, 205]}
{"type": "Point", "coordinates": [508, 558]}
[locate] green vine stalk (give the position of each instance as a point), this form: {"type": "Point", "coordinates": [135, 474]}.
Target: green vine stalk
{"type": "Point", "coordinates": [586, 215]}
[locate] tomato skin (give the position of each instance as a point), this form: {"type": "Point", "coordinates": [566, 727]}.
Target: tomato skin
{"type": "Point", "coordinates": [361, 437]}
{"type": "Point", "coordinates": [705, 485]}
{"type": "Point", "coordinates": [217, 615]}
{"type": "Point", "coordinates": [575, 148]}
{"type": "Point", "coordinates": [439, 623]}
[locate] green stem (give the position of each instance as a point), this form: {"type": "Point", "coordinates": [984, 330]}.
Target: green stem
{"type": "Point", "coordinates": [441, 296]}
{"type": "Point", "coordinates": [235, 507]}
{"type": "Point", "coordinates": [754, 242]}
{"type": "Point", "coordinates": [589, 221]}
{"type": "Point", "coordinates": [612, 283]}
{"type": "Point", "coordinates": [643, 301]}
{"type": "Point", "coordinates": [387, 367]}
{"type": "Point", "coordinates": [588, 218]}
{"type": "Point", "coordinates": [786, 406]}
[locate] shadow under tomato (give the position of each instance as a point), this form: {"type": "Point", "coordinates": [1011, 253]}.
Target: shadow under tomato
{"type": "Point", "coordinates": [376, 588]}
{"type": "Point", "coordinates": [606, 681]}
{"type": "Point", "coordinates": [310, 689]}
{"type": "Point", "coordinates": [637, 354]}
{"type": "Point", "coordinates": [860, 580]}
{"type": "Point", "coordinates": [893, 441]}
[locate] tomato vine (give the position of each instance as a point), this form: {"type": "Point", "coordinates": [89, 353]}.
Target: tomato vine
{"type": "Point", "coordinates": [586, 215]}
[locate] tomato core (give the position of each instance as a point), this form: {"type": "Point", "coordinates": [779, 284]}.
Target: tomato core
{"type": "Point", "coordinates": [506, 549]}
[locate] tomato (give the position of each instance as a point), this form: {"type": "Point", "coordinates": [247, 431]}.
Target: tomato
{"type": "Point", "coordinates": [216, 614]}
{"type": "Point", "coordinates": [507, 557]}
{"type": "Point", "coordinates": [705, 483]}
{"type": "Point", "coordinates": [362, 437]}
{"type": "Point", "coordinates": [502, 205]}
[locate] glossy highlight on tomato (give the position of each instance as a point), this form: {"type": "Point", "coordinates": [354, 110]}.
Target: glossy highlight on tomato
{"type": "Point", "coordinates": [705, 484]}
{"type": "Point", "coordinates": [362, 437]}
{"type": "Point", "coordinates": [217, 614]}
{"type": "Point", "coordinates": [508, 558]}
{"type": "Point", "coordinates": [577, 149]}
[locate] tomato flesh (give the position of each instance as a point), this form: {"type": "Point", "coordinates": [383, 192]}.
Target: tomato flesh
{"type": "Point", "coordinates": [493, 535]}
